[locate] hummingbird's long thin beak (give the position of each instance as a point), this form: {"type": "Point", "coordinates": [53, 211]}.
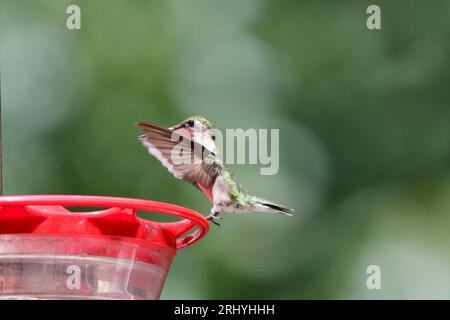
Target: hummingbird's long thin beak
{"type": "Point", "coordinates": [178, 127]}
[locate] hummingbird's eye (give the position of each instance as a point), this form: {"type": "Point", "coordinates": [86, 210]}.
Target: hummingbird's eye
{"type": "Point", "coordinates": [190, 123]}
{"type": "Point", "coordinates": [214, 138]}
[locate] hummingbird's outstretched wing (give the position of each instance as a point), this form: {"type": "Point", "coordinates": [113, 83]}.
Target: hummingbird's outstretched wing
{"type": "Point", "coordinates": [184, 158]}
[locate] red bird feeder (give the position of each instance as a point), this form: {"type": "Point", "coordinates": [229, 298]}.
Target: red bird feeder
{"type": "Point", "coordinates": [49, 252]}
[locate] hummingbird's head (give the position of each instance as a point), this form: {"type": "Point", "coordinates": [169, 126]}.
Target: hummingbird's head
{"type": "Point", "coordinates": [194, 122]}
{"type": "Point", "coordinates": [199, 129]}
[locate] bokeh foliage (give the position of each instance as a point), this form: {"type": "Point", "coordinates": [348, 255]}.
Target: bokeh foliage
{"type": "Point", "coordinates": [364, 120]}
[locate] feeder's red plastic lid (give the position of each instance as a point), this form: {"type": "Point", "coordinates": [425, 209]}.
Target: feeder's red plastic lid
{"type": "Point", "coordinates": [46, 214]}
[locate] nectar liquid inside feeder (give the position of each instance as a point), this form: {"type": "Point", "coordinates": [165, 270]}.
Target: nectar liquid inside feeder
{"type": "Point", "coordinates": [49, 252]}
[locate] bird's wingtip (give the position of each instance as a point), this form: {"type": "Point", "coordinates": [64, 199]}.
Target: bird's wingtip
{"type": "Point", "coordinates": [140, 123]}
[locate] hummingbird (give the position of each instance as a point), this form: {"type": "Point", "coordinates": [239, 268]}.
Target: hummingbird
{"type": "Point", "coordinates": [188, 150]}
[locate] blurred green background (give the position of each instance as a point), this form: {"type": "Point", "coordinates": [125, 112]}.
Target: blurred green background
{"type": "Point", "coordinates": [364, 120]}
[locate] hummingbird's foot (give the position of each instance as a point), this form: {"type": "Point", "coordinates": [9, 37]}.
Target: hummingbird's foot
{"type": "Point", "coordinates": [213, 219]}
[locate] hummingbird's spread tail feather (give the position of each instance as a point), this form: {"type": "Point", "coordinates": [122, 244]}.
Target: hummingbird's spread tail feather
{"type": "Point", "coordinates": [281, 209]}
{"type": "Point", "coordinates": [270, 206]}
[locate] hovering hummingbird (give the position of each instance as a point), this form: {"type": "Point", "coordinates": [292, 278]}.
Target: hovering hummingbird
{"type": "Point", "coordinates": [188, 150]}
